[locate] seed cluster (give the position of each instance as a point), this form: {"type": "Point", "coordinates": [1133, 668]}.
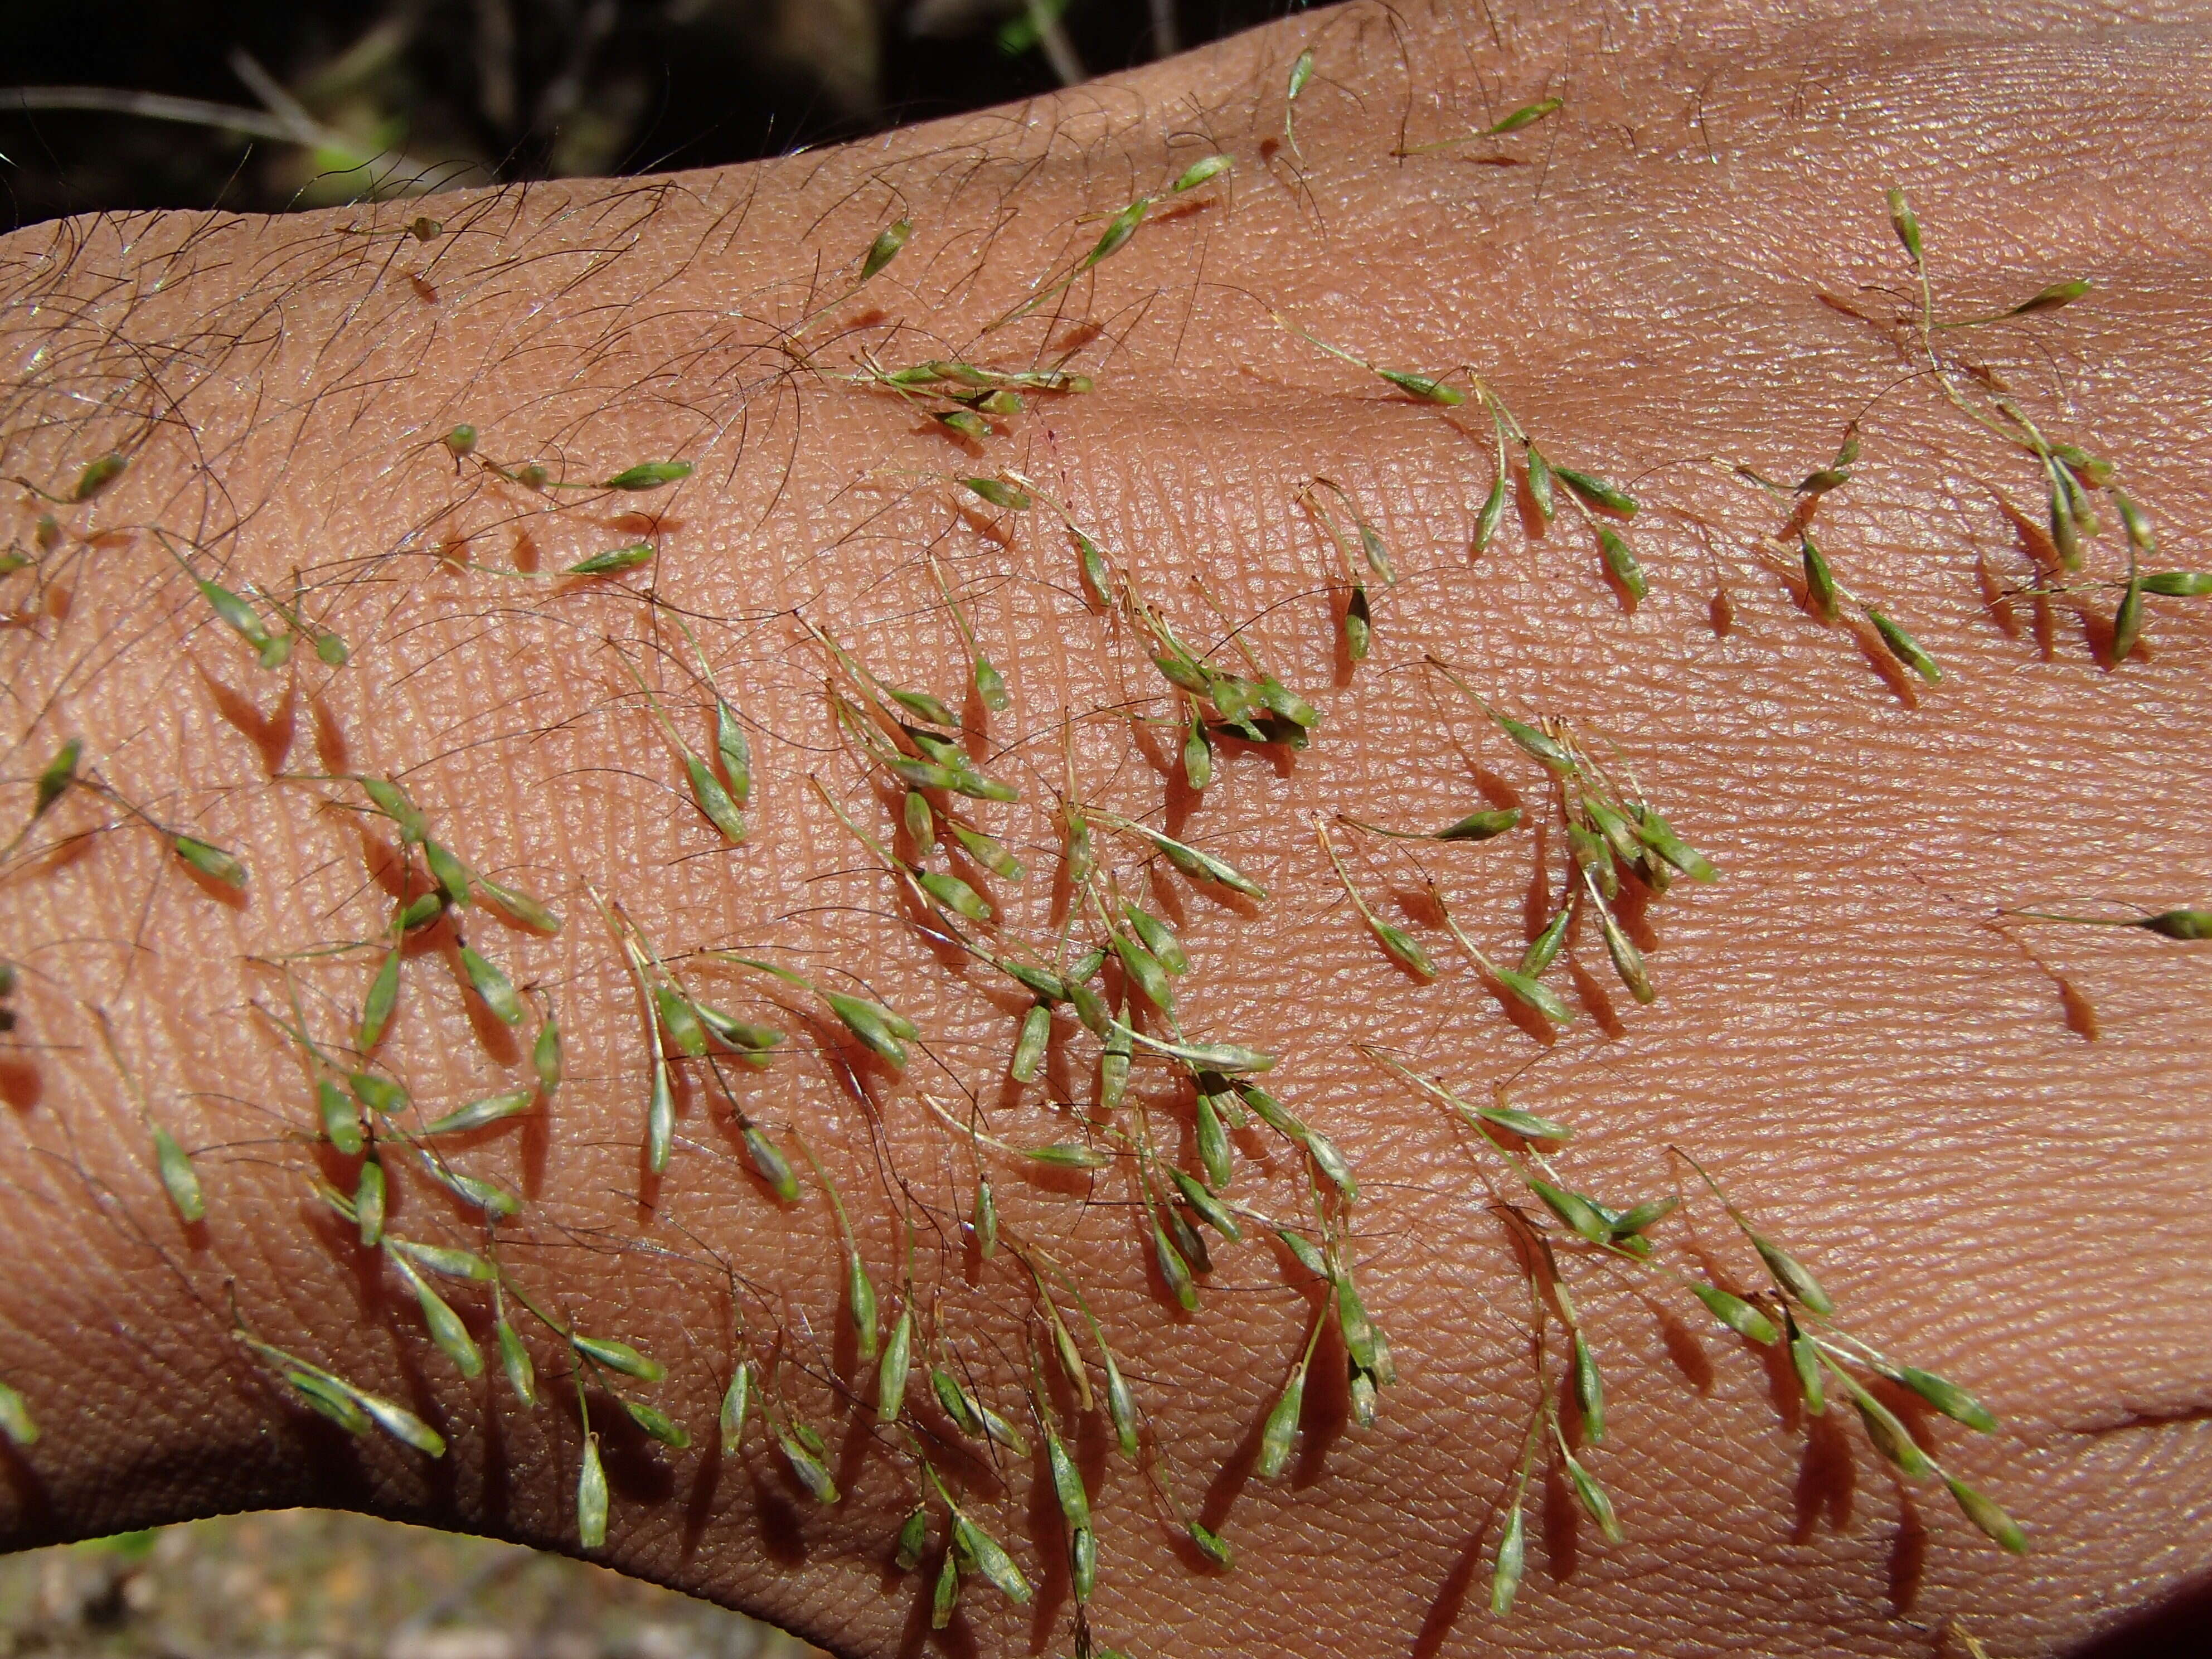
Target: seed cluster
{"type": "Point", "coordinates": [1107, 987]}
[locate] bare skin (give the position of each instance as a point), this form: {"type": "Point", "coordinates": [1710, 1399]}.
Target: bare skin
{"type": "Point", "coordinates": [1891, 1084]}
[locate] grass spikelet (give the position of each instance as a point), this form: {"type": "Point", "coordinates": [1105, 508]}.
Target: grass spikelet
{"type": "Point", "coordinates": [445, 1326]}
{"type": "Point", "coordinates": [1030, 1045]}
{"type": "Point", "coordinates": [1423, 388]}
{"type": "Point", "coordinates": [1907, 650]}
{"type": "Point", "coordinates": [400, 1424]}
{"type": "Point", "coordinates": [885, 248]}
{"type": "Point", "coordinates": [514, 1361]}
{"type": "Point", "coordinates": [369, 1193]}
{"type": "Point", "coordinates": [1400, 946]}
{"type": "Point", "coordinates": [1204, 866]}
{"type": "Point", "coordinates": [812, 1472]}
{"type": "Point", "coordinates": [592, 1497]}
{"type": "Point", "coordinates": [737, 1402]}
{"type": "Point", "coordinates": [1592, 1496]}
{"type": "Point", "coordinates": [1999, 1528]}
{"type": "Point", "coordinates": [1889, 1434]}
{"type": "Point", "coordinates": [1511, 1559]}
{"type": "Point", "coordinates": [913, 1537]}
{"type": "Point", "coordinates": [546, 1056]}
{"type": "Point", "coordinates": [618, 1356]}
{"type": "Point", "coordinates": [179, 1178]}
{"type": "Point", "coordinates": [1740, 1316]}
{"type": "Point", "coordinates": [648, 474]}
{"type": "Point", "coordinates": [613, 562]}
{"type": "Point", "coordinates": [947, 1594]}
{"type": "Point", "coordinates": [493, 986]}
{"type": "Point", "coordinates": [518, 906]}
{"type": "Point", "coordinates": [481, 1114]}
{"type": "Point", "coordinates": [1301, 72]}
{"type": "Point", "coordinates": [341, 1122]}
{"type": "Point", "coordinates": [15, 1419]}
{"type": "Point", "coordinates": [892, 1371]}
{"type": "Point", "coordinates": [1214, 1547]}
{"type": "Point", "coordinates": [98, 477]}
{"type": "Point", "coordinates": [210, 860]}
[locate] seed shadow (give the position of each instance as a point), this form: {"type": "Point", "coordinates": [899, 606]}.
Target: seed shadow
{"type": "Point", "coordinates": [1094, 1446]}
{"type": "Point", "coordinates": [1561, 1521]}
{"type": "Point", "coordinates": [914, 1631]}
{"type": "Point", "coordinates": [1596, 1002]}
{"type": "Point", "coordinates": [496, 1490]}
{"type": "Point", "coordinates": [1417, 905]}
{"type": "Point", "coordinates": [332, 752]}
{"type": "Point", "coordinates": [1902, 683]}
{"type": "Point", "coordinates": [272, 734]}
{"type": "Point", "coordinates": [22, 1084]}
{"type": "Point", "coordinates": [845, 1344]}
{"type": "Point", "coordinates": [2032, 538]}
{"type": "Point", "coordinates": [1534, 524]}
{"type": "Point", "coordinates": [1326, 1412]}
{"type": "Point", "coordinates": [1179, 802]}
{"type": "Point", "coordinates": [388, 868]}
{"type": "Point", "coordinates": [1684, 1351]}
{"type": "Point", "coordinates": [1342, 664]}
{"type": "Point", "coordinates": [1908, 1556]}
{"type": "Point", "coordinates": [698, 1504]}
{"type": "Point", "coordinates": [231, 898]}
{"type": "Point", "coordinates": [534, 1146]}
{"type": "Point", "coordinates": [996, 528]}
{"type": "Point", "coordinates": [1536, 910]}
{"type": "Point", "coordinates": [1996, 600]}
{"type": "Point", "coordinates": [1827, 1479]}
{"type": "Point", "coordinates": [2081, 1012]}
{"type": "Point", "coordinates": [955, 1455]}
{"type": "Point", "coordinates": [2046, 627]}
{"type": "Point", "coordinates": [782, 1534]}
{"type": "Point", "coordinates": [976, 723]}
{"type": "Point", "coordinates": [852, 1447]}
{"type": "Point", "coordinates": [1445, 1606]}
{"type": "Point", "coordinates": [34, 1502]}
{"type": "Point", "coordinates": [1632, 910]}
{"type": "Point", "coordinates": [331, 1459]}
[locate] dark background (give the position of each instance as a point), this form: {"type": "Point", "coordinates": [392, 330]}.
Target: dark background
{"type": "Point", "coordinates": [392, 97]}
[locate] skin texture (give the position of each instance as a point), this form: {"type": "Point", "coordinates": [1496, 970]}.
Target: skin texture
{"type": "Point", "coordinates": [1903, 1091]}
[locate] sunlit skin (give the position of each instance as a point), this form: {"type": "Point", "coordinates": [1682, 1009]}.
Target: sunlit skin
{"type": "Point", "coordinates": [1982, 1132]}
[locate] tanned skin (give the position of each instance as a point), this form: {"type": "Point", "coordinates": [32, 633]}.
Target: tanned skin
{"type": "Point", "coordinates": [1997, 1175]}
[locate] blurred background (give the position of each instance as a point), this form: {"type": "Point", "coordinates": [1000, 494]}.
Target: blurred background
{"type": "Point", "coordinates": [263, 106]}
{"type": "Point", "coordinates": [266, 105]}
{"type": "Point", "coordinates": [311, 1584]}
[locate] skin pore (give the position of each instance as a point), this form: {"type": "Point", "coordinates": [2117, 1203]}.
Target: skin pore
{"type": "Point", "coordinates": [1888, 1076]}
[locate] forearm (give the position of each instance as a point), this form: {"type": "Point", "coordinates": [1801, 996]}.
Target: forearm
{"type": "Point", "coordinates": [282, 390]}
